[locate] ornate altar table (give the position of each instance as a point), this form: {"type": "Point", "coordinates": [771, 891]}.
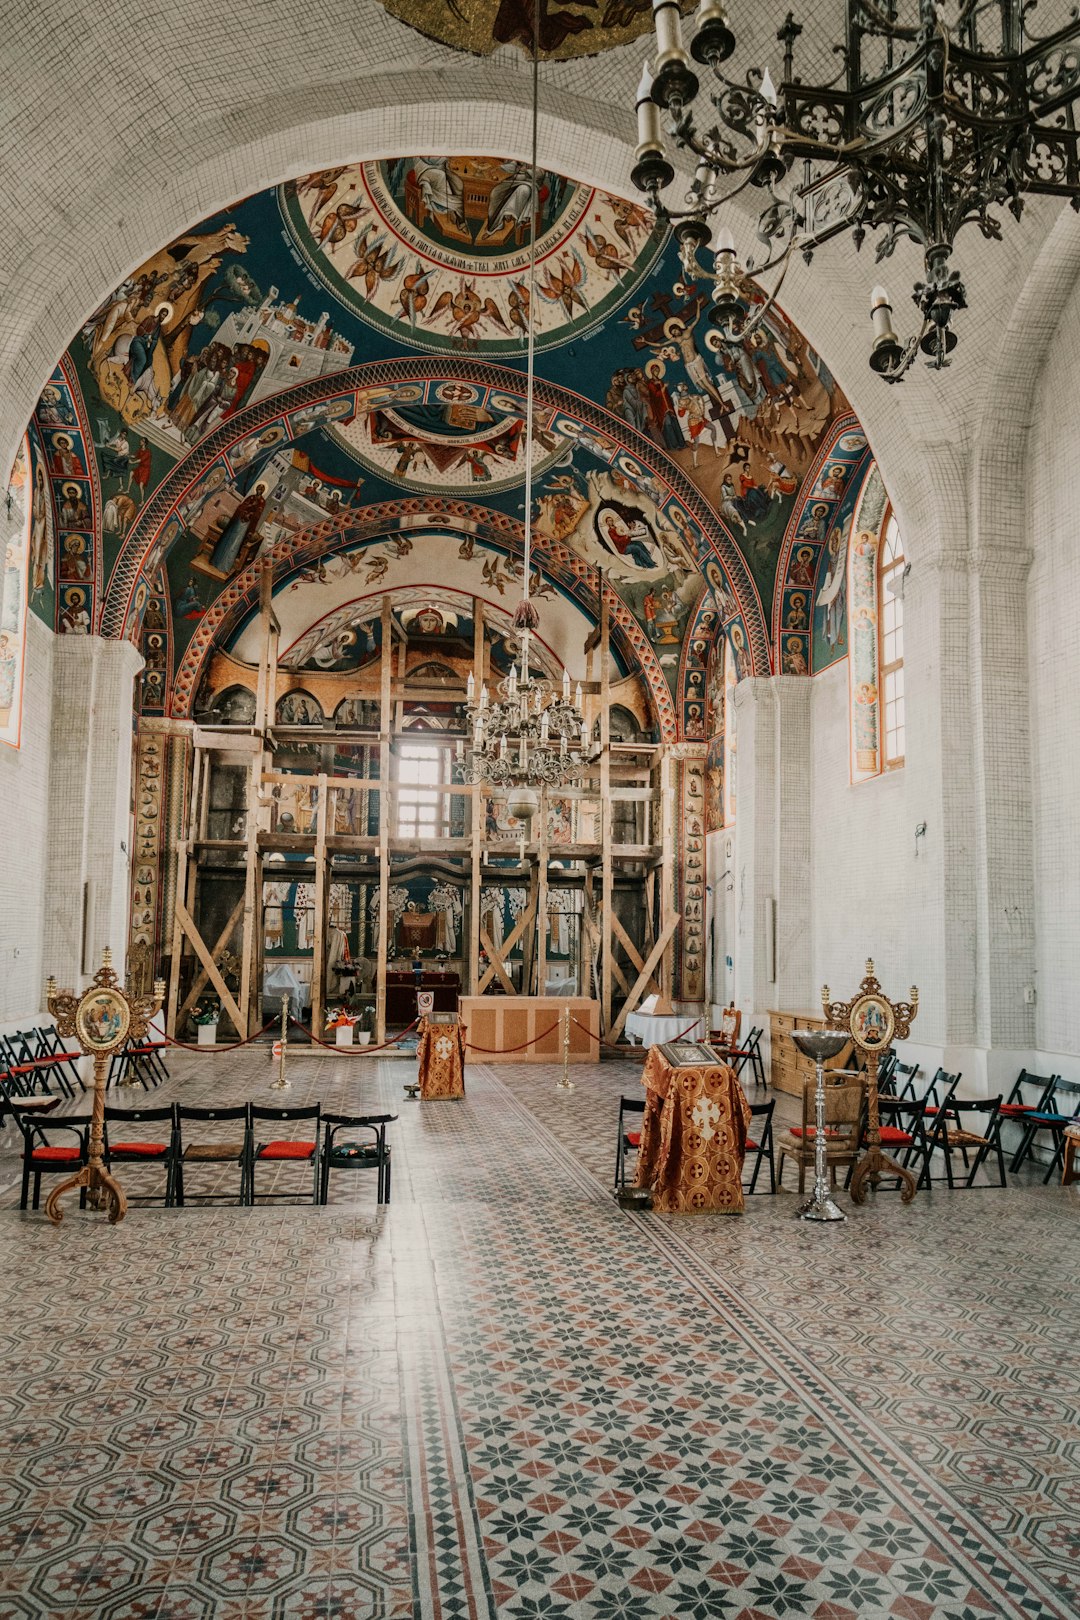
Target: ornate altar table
{"type": "Point", "coordinates": [440, 1054]}
{"type": "Point", "coordinates": [693, 1134]}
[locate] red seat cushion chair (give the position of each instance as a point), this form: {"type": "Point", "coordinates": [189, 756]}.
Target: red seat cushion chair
{"type": "Point", "coordinates": [56, 1155]}
{"type": "Point", "coordinates": [893, 1136]}
{"type": "Point", "coordinates": [145, 1150]}
{"type": "Point", "coordinates": [286, 1150]}
{"type": "Point", "coordinates": [632, 1138]}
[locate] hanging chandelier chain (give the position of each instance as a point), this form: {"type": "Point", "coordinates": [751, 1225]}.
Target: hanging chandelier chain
{"type": "Point", "coordinates": [929, 126]}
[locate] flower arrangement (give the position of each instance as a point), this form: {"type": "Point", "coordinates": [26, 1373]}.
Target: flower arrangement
{"type": "Point", "coordinates": [338, 1018]}
{"type": "Point", "coordinates": [207, 1012]}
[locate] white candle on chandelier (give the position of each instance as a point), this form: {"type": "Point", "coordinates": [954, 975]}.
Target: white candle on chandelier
{"type": "Point", "coordinates": [668, 25]}
{"type": "Point", "coordinates": [648, 113]}
{"type": "Point", "coordinates": [577, 697]}
{"type": "Point", "coordinates": [881, 315]}
{"type": "Point", "coordinates": [566, 685]}
{"type": "Point", "coordinates": [544, 726]}
{"type": "Point", "coordinates": [470, 686]}
{"type": "Point", "coordinates": [484, 696]}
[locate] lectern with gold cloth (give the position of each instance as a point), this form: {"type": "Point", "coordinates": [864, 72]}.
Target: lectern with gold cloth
{"type": "Point", "coordinates": [440, 1053]}
{"type": "Point", "coordinates": [693, 1135]}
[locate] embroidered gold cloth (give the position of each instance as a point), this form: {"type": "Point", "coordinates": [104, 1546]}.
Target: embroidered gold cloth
{"type": "Point", "coordinates": [693, 1137]}
{"type": "Point", "coordinates": [440, 1052]}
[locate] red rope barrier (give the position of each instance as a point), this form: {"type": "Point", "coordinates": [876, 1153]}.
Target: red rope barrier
{"type": "Point", "coordinates": [354, 1051]}
{"type": "Point", "coordinates": [505, 1051]}
{"type": "Point", "coordinates": [234, 1046]}
{"type": "Point", "coordinates": [614, 1045]}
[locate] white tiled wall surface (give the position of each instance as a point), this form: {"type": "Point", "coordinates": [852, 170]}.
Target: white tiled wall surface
{"type": "Point", "coordinates": [25, 778]}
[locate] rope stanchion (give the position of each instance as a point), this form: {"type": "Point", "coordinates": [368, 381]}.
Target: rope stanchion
{"type": "Point", "coordinates": [355, 1051]}
{"type": "Point", "coordinates": [233, 1046]}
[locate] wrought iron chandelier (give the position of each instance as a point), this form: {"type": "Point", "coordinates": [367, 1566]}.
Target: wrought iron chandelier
{"type": "Point", "coordinates": [932, 122]}
{"type": "Point", "coordinates": [531, 735]}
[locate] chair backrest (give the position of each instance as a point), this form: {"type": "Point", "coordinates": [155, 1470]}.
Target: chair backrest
{"type": "Point", "coordinates": [261, 1111]}
{"type": "Point", "coordinates": [905, 1076]}
{"type": "Point", "coordinates": [730, 1022]}
{"type": "Point", "coordinates": [985, 1110]}
{"type": "Point", "coordinates": [764, 1111]}
{"type": "Point", "coordinates": [34, 1124]}
{"type": "Point", "coordinates": [140, 1116]}
{"type": "Point", "coordinates": [358, 1119]}
{"type": "Point", "coordinates": [1064, 1098]}
{"type": "Point", "coordinates": [1040, 1088]}
{"type": "Point", "coordinates": [190, 1111]}
{"type": "Point", "coordinates": [941, 1087]}
{"type": "Point", "coordinates": [844, 1103]}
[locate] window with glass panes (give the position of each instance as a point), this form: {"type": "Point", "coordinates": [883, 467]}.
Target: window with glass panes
{"type": "Point", "coordinates": [891, 645]}
{"type": "Point", "coordinates": [421, 811]}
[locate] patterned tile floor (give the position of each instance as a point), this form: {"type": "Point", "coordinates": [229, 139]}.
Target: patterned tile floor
{"type": "Point", "coordinates": [505, 1397]}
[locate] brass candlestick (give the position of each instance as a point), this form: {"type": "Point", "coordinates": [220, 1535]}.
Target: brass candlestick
{"type": "Point", "coordinates": [874, 1022]}
{"type": "Point", "coordinates": [565, 1084]}
{"type": "Point", "coordinates": [102, 1018]}
{"type": "Point", "coordinates": [283, 1083]}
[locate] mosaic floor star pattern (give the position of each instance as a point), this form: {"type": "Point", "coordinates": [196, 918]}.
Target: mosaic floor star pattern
{"type": "Point", "coordinates": [504, 1397]}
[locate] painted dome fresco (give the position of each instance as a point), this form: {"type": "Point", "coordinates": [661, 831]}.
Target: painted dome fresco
{"type": "Point", "coordinates": [326, 383]}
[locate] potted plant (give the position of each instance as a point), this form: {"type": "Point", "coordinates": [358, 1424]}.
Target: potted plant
{"type": "Point", "coordinates": [342, 1025]}
{"type": "Point", "coordinates": [207, 1014]}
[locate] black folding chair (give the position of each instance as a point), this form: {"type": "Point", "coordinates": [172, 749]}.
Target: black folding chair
{"type": "Point", "coordinates": [282, 1150]}
{"type": "Point", "coordinates": [370, 1154]}
{"type": "Point", "coordinates": [49, 1043]}
{"type": "Point", "coordinates": [952, 1128]}
{"type": "Point", "coordinates": [761, 1143]}
{"type": "Point", "coordinates": [1051, 1117]}
{"type": "Point", "coordinates": [233, 1150]}
{"type": "Point", "coordinates": [49, 1066]}
{"type": "Point", "coordinates": [629, 1141]}
{"type": "Point", "coordinates": [135, 1150]}
{"type": "Point", "coordinates": [42, 1154]}
{"type": "Point", "coordinates": [902, 1132]}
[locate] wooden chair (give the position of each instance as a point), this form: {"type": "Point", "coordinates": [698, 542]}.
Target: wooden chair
{"type": "Point", "coordinates": [845, 1100]}
{"type": "Point", "coordinates": [727, 1036]}
{"type": "Point", "coordinates": [373, 1154]}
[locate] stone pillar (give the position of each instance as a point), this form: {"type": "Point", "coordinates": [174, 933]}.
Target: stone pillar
{"type": "Point", "coordinates": [773, 830]}
{"type": "Point", "coordinates": [87, 887]}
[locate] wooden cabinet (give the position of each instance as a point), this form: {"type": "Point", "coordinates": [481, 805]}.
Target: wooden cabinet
{"type": "Point", "coordinates": [787, 1066]}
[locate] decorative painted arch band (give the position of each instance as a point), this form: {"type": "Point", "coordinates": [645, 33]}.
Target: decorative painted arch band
{"type": "Point", "coordinates": [838, 468]}
{"type": "Point", "coordinates": [577, 578]}
{"type": "Point", "coordinates": [149, 536]}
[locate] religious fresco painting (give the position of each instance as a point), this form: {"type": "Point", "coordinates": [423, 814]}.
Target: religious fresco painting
{"type": "Point", "coordinates": [16, 527]}
{"type": "Point", "coordinates": [557, 29]}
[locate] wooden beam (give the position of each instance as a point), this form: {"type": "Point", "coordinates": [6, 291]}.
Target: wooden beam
{"type": "Point", "coordinates": [507, 946]}
{"type": "Point", "coordinates": [606, 902]}
{"type": "Point", "coordinates": [478, 816]}
{"type": "Point", "coordinates": [496, 967]}
{"type": "Point", "coordinates": [215, 951]}
{"type": "Point", "coordinates": [188, 925]}
{"type": "Point", "coordinates": [318, 953]}
{"type": "Point", "coordinates": [644, 976]}
{"type": "Point", "coordinates": [386, 808]}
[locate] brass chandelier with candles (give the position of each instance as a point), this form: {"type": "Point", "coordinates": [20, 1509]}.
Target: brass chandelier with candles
{"type": "Point", "coordinates": [939, 115]}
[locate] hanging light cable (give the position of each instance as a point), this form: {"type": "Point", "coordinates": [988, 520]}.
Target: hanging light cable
{"type": "Point", "coordinates": [530, 735]}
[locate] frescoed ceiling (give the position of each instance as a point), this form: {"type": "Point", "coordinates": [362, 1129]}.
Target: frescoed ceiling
{"type": "Point", "coordinates": [562, 29]}
{"type": "Point", "coordinates": [328, 379]}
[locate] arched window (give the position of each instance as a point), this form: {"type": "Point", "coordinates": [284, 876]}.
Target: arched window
{"type": "Point", "coordinates": [891, 644]}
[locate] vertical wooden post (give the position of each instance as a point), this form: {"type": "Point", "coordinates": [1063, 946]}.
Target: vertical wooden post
{"type": "Point", "coordinates": [667, 870]}
{"type": "Point", "coordinates": [265, 713]}
{"type": "Point", "coordinates": [479, 801]}
{"type": "Point", "coordinates": [318, 954]}
{"type": "Point", "coordinates": [386, 810]}
{"type": "Point", "coordinates": [542, 896]}
{"type": "Point", "coordinates": [185, 890]}
{"type": "Point", "coordinates": [607, 898]}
